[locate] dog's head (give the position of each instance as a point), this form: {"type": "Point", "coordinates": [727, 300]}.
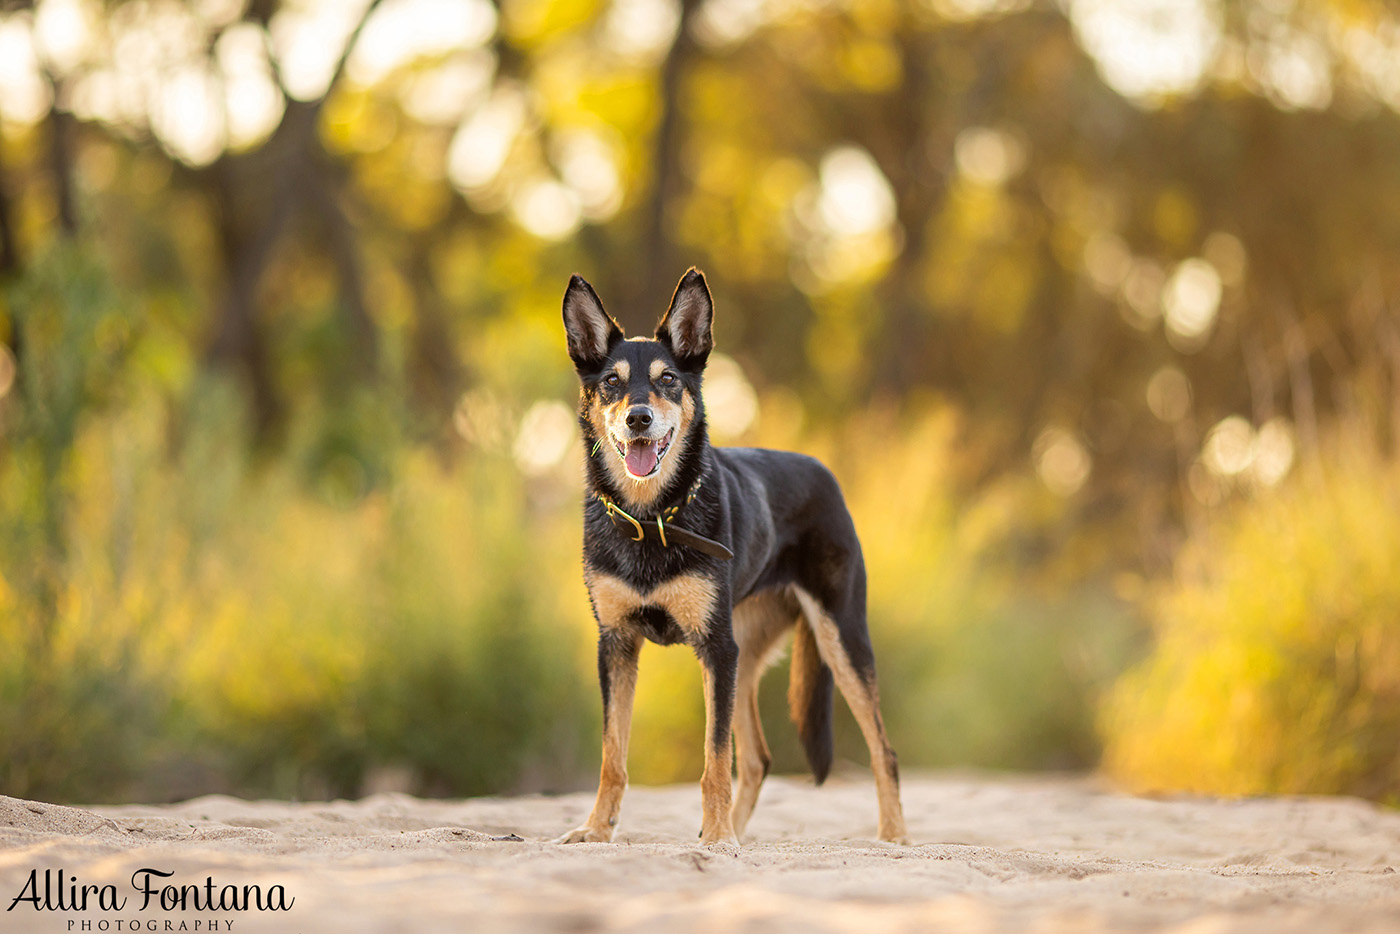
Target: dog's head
{"type": "Point", "coordinates": [640, 403]}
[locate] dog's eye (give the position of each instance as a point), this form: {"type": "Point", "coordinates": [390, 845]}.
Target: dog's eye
{"type": "Point", "coordinates": [613, 380]}
{"type": "Point", "coordinates": [667, 379]}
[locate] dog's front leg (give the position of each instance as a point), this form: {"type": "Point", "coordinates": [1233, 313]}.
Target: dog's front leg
{"type": "Point", "coordinates": [719, 657]}
{"type": "Point", "coordinates": [617, 675]}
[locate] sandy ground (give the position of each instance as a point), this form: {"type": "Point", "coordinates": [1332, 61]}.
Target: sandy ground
{"type": "Point", "coordinates": [990, 854]}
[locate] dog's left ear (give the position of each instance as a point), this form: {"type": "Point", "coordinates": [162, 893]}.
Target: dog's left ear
{"type": "Point", "coordinates": [591, 331]}
{"type": "Point", "coordinates": [686, 329]}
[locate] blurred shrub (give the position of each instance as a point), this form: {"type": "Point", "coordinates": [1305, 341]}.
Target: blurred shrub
{"type": "Point", "coordinates": [249, 636]}
{"type": "Point", "coordinates": [420, 632]}
{"type": "Point", "coordinates": [1277, 659]}
{"type": "Point", "coordinates": [179, 616]}
{"type": "Point", "coordinates": [981, 661]}
{"type": "Point", "coordinates": [75, 709]}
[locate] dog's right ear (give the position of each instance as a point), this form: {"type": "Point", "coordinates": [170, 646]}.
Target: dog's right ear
{"type": "Point", "coordinates": [591, 331]}
{"type": "Point", "coordinates": [687, 327]}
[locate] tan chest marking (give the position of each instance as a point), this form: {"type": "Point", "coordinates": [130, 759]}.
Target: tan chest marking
{"type": "Point", "coordinates": [688, 598]}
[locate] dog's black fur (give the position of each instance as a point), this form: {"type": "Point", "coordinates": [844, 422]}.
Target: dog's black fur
{"type": "Point", "coordinates": [796, 555]}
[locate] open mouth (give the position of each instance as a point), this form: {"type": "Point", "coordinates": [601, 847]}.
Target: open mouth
{"type": "Point", "coordinates": [642, 456]}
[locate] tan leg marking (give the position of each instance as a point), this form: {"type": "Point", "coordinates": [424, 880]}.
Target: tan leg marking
{"type": "Point", "coordinates": [864, 701]}
{"type": "Point", "coordinates": [716, 825]}
{"type": "Point", "coordinates": [759, 623]}
{"type": "Point", "coordinates": [800, 688]}
{"type": "Point", "coordinates": [612, 779]}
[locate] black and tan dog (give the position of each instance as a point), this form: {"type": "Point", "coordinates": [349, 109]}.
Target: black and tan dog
{"type": "Point", "coordinates": [724, 549]}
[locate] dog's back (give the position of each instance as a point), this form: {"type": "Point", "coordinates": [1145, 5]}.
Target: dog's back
{"type": "Point", "coordinates": [789, 523]}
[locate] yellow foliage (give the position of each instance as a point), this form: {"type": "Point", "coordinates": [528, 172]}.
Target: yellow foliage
{"type": "Point", "coordinates": [1276, 666]}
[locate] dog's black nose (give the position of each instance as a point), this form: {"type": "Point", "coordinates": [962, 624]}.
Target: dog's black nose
{"type": "Point", "coordinates": [639, 417]}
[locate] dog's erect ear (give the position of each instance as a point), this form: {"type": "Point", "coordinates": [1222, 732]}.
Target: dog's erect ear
{"type": "Point", "coordinates": [591, 331]}
{"type": "Point", "coordinates": [687, 327]}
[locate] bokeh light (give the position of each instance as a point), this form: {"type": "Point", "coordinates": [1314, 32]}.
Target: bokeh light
{"type": "Point", "coordinates": [1149, 48]}
{"type": "Point", "coordinates": [1169, 394]}
{"type": "Point", "coordinates": [1229, 447]}
{"type": "Point", "coordinates": [1061, 461]}
{"type": "Point", "coordinates": [1191, 299]}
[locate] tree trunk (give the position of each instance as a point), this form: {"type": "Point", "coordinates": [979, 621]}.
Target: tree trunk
{"type": "Point", "coordinates": [61, 161]}
{"type": "Point", "coordinates": [660, 264]}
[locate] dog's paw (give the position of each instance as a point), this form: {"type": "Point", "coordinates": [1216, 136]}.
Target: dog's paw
{"type": "Point", "coordinates": [720, 840]}
{"type": "Point", "coordinates": [729, 846]}
{"type": "Point", "coordinates": [586, 835]}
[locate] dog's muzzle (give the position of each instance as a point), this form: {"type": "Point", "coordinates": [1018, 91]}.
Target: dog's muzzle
{"type": "Point", "coordinates": [643, 456]}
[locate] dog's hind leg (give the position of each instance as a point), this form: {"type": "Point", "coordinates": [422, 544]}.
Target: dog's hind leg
{"type": "Point", "coordinates": [758, 624]}
{"type": "Point", "coordinates": [617, 673]}
{"type": "Point", "coordinates": [845, 647]}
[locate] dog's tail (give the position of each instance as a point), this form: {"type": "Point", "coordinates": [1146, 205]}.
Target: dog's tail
{"type": "Point", "coordinates": [809, 700]}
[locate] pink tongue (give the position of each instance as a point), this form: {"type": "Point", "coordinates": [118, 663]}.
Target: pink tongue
{"type": "Point", "coordinates": [641, 458]}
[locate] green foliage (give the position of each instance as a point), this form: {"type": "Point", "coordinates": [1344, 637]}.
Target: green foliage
{"type": "Point", "coordinates": [73, 699]}
{"type": "Point", "coordinates": [1277, 660]}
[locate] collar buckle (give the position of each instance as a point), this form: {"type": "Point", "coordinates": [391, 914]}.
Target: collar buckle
{"type": "Point", "coordinates": [613, 511]}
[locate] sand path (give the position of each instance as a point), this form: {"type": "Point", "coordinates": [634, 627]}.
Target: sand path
{"type": "Point", "coordinates": [991, 854]}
